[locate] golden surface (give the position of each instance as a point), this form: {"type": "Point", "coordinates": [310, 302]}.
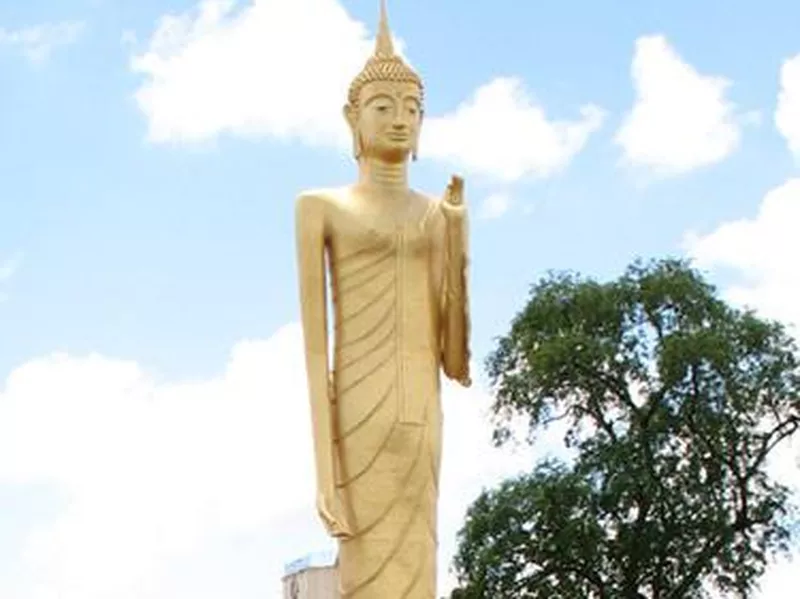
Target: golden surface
{"type": "Point", "coordinates": [395, 262]}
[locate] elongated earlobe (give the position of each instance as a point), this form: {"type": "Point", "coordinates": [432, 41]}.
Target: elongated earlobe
{"type": "Point", "coordinates": [358, 147]}
{"type": "Point", "coordinates": [350, 117]}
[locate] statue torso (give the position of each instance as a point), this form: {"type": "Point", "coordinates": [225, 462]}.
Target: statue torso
{"type": "Point", "coordinates": [385, 269]}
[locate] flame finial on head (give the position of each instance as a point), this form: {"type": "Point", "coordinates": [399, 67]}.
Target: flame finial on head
{"type": "Point", "coordinates": [383, 41]}
{"type": "Point", "coordinates": [384, 64]}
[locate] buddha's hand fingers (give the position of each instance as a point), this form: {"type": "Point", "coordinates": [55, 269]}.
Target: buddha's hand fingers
{"type": "Point", "coordinates": [454, 195]}
{"type": "Point", "coordinates": [453, 206]}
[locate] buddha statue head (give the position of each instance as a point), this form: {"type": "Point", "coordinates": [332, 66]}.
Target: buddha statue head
{"type": "Point", "coordinates": [385, 103]}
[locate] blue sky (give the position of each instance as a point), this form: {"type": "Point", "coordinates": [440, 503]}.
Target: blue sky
{"type": "Point", "coordinates": [151, 152]}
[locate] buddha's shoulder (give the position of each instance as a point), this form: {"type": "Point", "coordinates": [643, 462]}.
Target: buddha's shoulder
{"type": "Point", "coordinates": [320, 204]}
{"type": "Point", "coordinates": [323, 196]}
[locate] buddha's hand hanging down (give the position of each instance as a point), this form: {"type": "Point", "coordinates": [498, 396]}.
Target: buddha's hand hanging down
{"type": "Point", "coordinates": [329, 504]}
{"type": "Point", "coordinates": [333, 515]}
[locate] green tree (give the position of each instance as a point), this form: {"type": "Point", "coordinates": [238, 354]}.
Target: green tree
{"type": "Point", "coordinates": [673, 402]}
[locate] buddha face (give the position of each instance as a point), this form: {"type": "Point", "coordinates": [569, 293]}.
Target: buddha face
{"type": "Point", "coordinates": [387, 121]}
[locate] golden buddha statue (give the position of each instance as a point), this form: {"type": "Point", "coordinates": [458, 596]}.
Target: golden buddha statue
{"type": "Point", "coordinates": [395, 262]}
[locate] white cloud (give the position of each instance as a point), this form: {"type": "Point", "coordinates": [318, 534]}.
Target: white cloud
{"type": "Point", "coordinates": [787, 114]}
{"type": "Point", "coordinates": [762, 251]}
{"type": "Point", "coordinates": [761, 254]}
{"type": "Point", "coordinates": [270, 68]}
{"type": "Point", "coordinates": [503, 133]}
{"type": "Point", "coordinates": [280, 69]}
{"type": "Point", "coordinates": [681, 119]}
{"type": "Point", "coordinates": [495, 206]}
{"type": "Point", "coordinates": [200, 488]}
{"type": "Point", "coordinates": [37, 43]}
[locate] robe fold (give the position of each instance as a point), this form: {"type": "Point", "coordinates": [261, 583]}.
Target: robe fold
{"type": "Point", "coordinates": [387, 410]}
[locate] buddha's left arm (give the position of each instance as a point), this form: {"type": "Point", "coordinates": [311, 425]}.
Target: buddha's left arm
{"type": "Point", "coordinates": [455, 318]}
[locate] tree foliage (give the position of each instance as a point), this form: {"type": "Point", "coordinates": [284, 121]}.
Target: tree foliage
{"type": "Point", "coordinates": [673, 402]}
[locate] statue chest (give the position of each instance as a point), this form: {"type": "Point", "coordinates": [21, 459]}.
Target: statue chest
{"type": "Point", "coordinates": [386, 316]}
{"type": "Point", "coordinates": [363, 261]}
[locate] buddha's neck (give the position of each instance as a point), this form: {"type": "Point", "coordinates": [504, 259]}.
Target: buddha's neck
{"type": "Point", "coordinates": [384, 176]}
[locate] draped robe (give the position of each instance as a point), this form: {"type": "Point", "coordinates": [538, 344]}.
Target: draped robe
{"type": "Point", "coordinates": [387, 412]}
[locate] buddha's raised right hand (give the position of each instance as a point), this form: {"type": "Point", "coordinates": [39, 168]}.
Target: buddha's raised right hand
{"type": "Point", "coordinates": [333, 515]}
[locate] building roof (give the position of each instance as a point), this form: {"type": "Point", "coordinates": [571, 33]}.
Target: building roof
{"type": "Point", "coordinates": [320, 559]}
